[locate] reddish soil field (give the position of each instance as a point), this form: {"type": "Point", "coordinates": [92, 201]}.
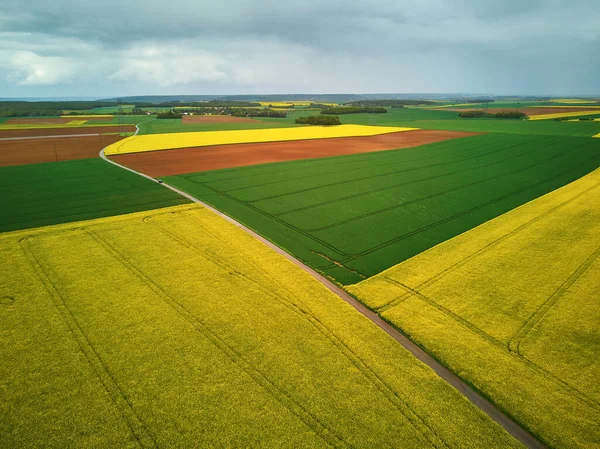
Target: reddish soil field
{"type": "Point", "coordinates": [528, 111]}
{"type": "Point", "coordinates": [187, 119]}
{"type": "Point", "coordinates": [31, 151]}
{"type": "Point", "coordinates": [50, 121]}
{"type": "Point", "coordinates": [8, 133]}
{"type": "Point", "coordinates": [189, 160]}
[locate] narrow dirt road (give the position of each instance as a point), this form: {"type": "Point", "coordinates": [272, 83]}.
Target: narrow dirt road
{"type": "Point", "coordinates": [512, 427]}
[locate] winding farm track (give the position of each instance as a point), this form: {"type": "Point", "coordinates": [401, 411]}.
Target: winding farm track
{"type": "Point", "coordinates": [476, 398]}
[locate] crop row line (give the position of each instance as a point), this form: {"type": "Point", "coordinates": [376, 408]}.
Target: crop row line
{"type": "Point", "coordinates": [485, 249]}
{"type": "Point", "coordinates": [390, 173]}
{"type": "Point", "coordinates": [135, 424]}
{"type": "Point", "coordinates": [442, 193]}
{"type": "Point", "coordinates": [514, 344]}
{"type": "Point", "coordinates": [382, 189]}
{"type": "Point", "coordinates": [387, 163]}
{"type": "Point", "coordinates": [302, 311]}
{"type": "Point", "coordinates": [502, 346]}
{"type": "Point", "coordinates": [390, 156]}
{"type": "Point", "coordinates": [350, 257]}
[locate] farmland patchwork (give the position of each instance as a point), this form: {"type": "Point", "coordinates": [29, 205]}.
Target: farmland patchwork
{"type": "Point", "coordinates": [354, 216]}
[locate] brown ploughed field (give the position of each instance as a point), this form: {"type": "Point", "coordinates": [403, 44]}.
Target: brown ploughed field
{"type": "Point", "coordinates": [31, 151]}
{"type": "Point", "coordinates": [189, 160]}
{"type": "Point", "coordinates": [50, 121]}
{"type": "Point", "coordinates": [188, 119]}
{"type": "Point", "coordinates": [528, 111]}
{"type": "Point", "coordinates": [10, 133]}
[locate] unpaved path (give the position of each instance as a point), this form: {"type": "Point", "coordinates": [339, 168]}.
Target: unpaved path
{"type": "Point", "coordinates": [467, 391]}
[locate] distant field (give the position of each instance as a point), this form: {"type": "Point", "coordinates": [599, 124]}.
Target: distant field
{"type": "Point", "coordinates": [174, 328]}
{"type": "Point", "coordinates": [589, 113]}
{"type": "Point", "coordinates": [161, 126]}
{"type": "Point", "coordinates": [53, 149]}
{"type": "Point", "coordinates": [453, 123]}
{"type": "Point", "coordinates": [512, 306]}
{"type": "Point", "coordinates": [159, 142]}
{"type": "Point", "coordinates": [62, 131]}
{"type": "Point", "coordinates": [354, 216]}
{"type": "Point", "coordinates": [51, 193]}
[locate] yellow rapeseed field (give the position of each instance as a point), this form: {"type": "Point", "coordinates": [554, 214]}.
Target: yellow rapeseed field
{"type": "Point", "coordinates": [174, 328]}
{"type": "Point", "coordinates": [76, 122]}
{"type": "Point", "coordinates": [563, 114]}
{"type": "Point", "coordinates": [154, 142]}
{"type": "Point", "coordinates": [512, 306]}
{"type": "Point", "coordinates": [571, 101]}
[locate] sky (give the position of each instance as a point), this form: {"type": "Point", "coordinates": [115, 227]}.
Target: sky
{"type": "Point", "coordinates": [115, 48]}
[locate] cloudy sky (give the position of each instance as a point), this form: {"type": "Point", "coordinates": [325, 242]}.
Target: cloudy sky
{"type": "Point", "coordinates": [134, 47]}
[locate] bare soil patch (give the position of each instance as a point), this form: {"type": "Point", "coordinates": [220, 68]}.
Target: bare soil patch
{"type": "Point", "coordinates": [31, 151]}
{"type": "Point", "coordinates": [4, 133]}
{"type": "Point", "coordinates": [189, 160]}
{"type": "Point", "coordinates": [189, 119]}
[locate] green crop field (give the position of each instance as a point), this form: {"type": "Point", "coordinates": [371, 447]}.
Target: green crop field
{"type": "Point", "coordinates": [352, 217]}
{"type": "Point", "coordinates": [449, 120]}
{"type": "Point", "coordinates": [58, 192]}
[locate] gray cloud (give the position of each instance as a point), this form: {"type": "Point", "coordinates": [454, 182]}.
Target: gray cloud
{"type": "Point", "coordinates": [235, 46]}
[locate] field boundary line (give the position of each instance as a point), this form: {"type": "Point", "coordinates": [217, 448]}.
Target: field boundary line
{"type": "Point", "coordinates": [303, 312]}
{"type": "Point", "coordinates": [482, 250]}
{"type": "Point", "coordinates": [444, 192]}
{"type": "Point", "coordinates": [368, 192]}
{"type": "Point", "coordinates": [358, 158]}
{"type": "Point", "coordinates": [320, 429]}
{"type": "Point", "coordinates": [395, 172]}
{"type": "Point", "coordinates": [550, 302]}
{"type": "Point", "coordinates": [472, 395]}
{"type": "Point", "coordinates": [111, 386]}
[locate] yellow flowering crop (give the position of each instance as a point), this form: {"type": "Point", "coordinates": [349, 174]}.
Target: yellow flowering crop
{"type": "Point", "coordinates": [176, 326]}
{"type": "Point", "coordinates": [563, 114]}
{"type": "Point", "coordinates": [571, 101]}
{"type": "Point", "coordinates": [512, 306]}
{"type": "Point", "coordinates": [76, 122]}
{"type": "Point", "coordinates": [154, 142]}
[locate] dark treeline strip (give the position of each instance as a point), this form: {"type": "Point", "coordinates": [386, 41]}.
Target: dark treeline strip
{"type": "Point", "coordinates": [353, 110]}
{"type": "Point", "coordinates": [322, 120]}
{"type": "Point", "coordinates": [391, 103]}
{"type": "Point", "coordinates": [482, 114]}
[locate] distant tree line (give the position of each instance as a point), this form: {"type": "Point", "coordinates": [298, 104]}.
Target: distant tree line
{"type": "Point", "coordinates": [481, 100]}
{"type": "Point", "coordinates": [483, 114]}
{"type": "Point", "coordinates": [391, 103]}
{"type": "Point", "coordinates": [322, 120]}
{"type": "Point", "coordinates": [169, 115]}
{"type": "Point", "coordinates": [237, 112]}
{"type": "Point", "coordinates": [353, 110]}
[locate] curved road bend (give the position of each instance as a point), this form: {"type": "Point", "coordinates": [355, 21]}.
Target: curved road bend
{"type": "Point", "coordinates": [466, 390]}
